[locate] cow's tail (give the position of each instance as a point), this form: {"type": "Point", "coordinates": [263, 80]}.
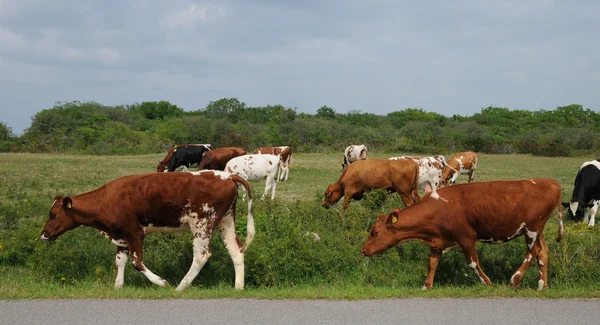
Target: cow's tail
{"type": "Point", "coordinates": [561, 228]}
{"type": "Point", "coordinates": [414, 191]}
{"type": "Point", "coordinates": [250, 231]}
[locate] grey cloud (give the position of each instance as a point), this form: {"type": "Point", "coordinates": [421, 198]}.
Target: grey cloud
{"type": "Point", "coordinates": [377, 56]}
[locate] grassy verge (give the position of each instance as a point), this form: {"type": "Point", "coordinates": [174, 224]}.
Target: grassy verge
{"type": "Point", "coordinates": [283, 262]}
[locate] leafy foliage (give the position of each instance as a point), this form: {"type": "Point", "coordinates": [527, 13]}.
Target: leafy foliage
{"type": "Point", "coordinates": [149, 127]}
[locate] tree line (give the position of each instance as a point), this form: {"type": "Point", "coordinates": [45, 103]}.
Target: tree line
{"type": "Point", "coordinates": [149, 127]}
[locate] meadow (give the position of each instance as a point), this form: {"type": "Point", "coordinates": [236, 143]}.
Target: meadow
{"type": "Point", "coordinates": [284, 260]}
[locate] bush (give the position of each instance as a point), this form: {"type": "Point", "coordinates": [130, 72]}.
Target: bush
{"type": "Point", "coordinates": [286, 251]}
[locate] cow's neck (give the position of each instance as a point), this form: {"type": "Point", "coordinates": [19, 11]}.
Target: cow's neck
{"type": "Point", "coordinates": [415, 227]}
{"type": "Point", "coordinates": [579, 195]}
{"type": "Point", "coordinates": [89, 207]}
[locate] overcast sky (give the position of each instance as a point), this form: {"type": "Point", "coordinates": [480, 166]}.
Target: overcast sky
{"type": "Point", "coordinates": [451, 57]}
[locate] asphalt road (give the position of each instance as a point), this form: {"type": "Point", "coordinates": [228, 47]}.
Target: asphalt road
{"type": "Point", "coordinates": [248, 311]}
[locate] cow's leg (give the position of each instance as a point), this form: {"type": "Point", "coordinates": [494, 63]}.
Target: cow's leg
{"type": "Point", "coordinates": [201, 255]}
{"type": "Point", "coordinates": [346, 203]}
{"type": "Point", "coordinates": [533, 248]}
{"type": "Point", "coordinates": [454, 177]}
{"type": "Point", "coordinates": [543, 263]}
{"type": "Point", "coordinates": [279, 172]}
{"type": "Point", "coordinates": [233, 245]}
{"type": "Point", "coordinates": [593, 211]}
{"type": "Point", "coordinates": [136, 253]}
{"type": "Point", "coordinates": [434, 259]}
{"type": "Point", "coordinates": [287, 168]}
{"type": "Point", "coordinates": [202, 228]}
{"type": "Point", "coordinates": [471, 175]}
{"type": "Point", "coordinates": [470, 251]}
{"type": "Point", "coordinates": [120, 262]}
{"type": "Point", "coordinates": [274, 186]}
{"type": "Point", "coordinates": [268, 185]}
{"type": "Point", "coordinates": [409, 200]}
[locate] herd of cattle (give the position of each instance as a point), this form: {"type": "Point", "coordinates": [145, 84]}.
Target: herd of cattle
{"type": "Point", "coordinates": [125, 210]}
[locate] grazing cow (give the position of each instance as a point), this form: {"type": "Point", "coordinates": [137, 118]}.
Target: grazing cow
{"type": "Point", "coordinates": [163, 165]}
{"type": "Point", "coordinates": [188, 156]}
{"type": "Point", "coordinates": [430, 171]}
{"type": "Point", "coordinates": [490, 212]}
{"type": "Point", "coordinates": [217, 159]}
{"type": "Point", "coordinates": [285, 154]}
{"type": "Point", "coordinates": [354, 153]}
{"type": "Point", "coordinates": [400, 176]}
{"type": "Point", "coordinates": [256, 168]}
{"type": "Point", "coordinates": [587, 188]}
{"type": "Point", "coordinates": [459, 163]}
{"type": "Point", "coordinates": [130, 207]}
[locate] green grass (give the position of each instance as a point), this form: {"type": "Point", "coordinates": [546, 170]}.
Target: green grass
{"type": "Point", "coordinates": [281, 263]}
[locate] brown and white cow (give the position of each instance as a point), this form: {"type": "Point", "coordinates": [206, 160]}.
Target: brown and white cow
{"type": "Point", "coordinates": [400, 176]}
{"type": "Point", "coordinates": [130, 207]}
{"type": "Point", "coordinates": [284, 153]}
{"type": "Point", "coordinates": [430, 170]}
{"type": "Point", "coordinates": [354, 153]}
{"type": "Point", "coordinates": [459, 163]}
{"type": "Point", "coordinates": [164, 164]}
{"type": "Point", "coordinates": [217, 159]}
{"type": "Point", "coordinates": [256, 168]}
{"type": "Point", "coordinates": [490, 212]}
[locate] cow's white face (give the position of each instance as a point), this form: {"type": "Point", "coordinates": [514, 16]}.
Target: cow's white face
{"type": "Point", "coordinates": [575, 210]}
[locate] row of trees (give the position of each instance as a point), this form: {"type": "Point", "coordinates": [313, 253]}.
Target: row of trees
{"type": "Point", "coordinates": [147, 127]}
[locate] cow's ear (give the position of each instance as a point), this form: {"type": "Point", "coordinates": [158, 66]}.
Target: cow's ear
{"type": "Point", "coordinates": [391, 218]}
{"type": "Point", "coordinates": [67, 202]}
{"type": "Point", "coordinates": [565, 204]}
{"type": "Point", "coordinates": [589, 205]}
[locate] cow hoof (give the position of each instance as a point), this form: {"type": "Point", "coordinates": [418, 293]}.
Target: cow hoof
{"type": "Point", "coordinates": [164, 284]}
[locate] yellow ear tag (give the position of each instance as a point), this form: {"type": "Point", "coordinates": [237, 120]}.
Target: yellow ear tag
{"type": "Point", "coordinates": [69, 205]}
{"type": "Point", "coordinates": [394, 219]}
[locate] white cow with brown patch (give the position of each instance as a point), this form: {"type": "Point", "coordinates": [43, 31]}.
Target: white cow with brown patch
{"type": "Point", "coordinates": [430, 170]}
{"type": "Point", "coordinates": [256, 168]}
{"type": "Point", "coordinates": [354, 153]}
{"type": "Point", "coordinates": [459, 163]}
{"type": "Point", "coordinates": [285, 156]}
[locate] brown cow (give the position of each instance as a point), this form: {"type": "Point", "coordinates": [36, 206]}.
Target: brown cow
{"type": "Point", "coordinates": [130, 207]}
{"type": "Point", "coordinates": [489, 212]}
{"type": "Point", "coordinates": [217, 159]}
{"type": "Point", "coordinates": [285, 155]}
{"type": "Point", "coordinates": [459, 163]}
{"type": "Point", "coordinates": [162, 165]}
{"type": "Point", "coordinates": [400, 176]}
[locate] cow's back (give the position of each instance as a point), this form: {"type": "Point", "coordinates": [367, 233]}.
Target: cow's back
{"type": "Point", "coordinates": [372, 173]}
{"type": "Point", "coordinates": [492, 209]}
{"type": "Point", "coordinates": [218, 158]}
{"type": "Point", "coordinates": [159, 198]}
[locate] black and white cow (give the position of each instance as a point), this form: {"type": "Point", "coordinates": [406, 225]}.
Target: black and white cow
{"type": "Point", "coordinates": [587, 188]}
{"type": "Point", "coordinates": [188, 156]}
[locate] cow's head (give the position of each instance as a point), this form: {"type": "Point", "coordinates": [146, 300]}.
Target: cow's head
{"type": "Point", "coordinates": [447, 174]}
{"type": "Point", "coordinates": [60, 219]}
{"type": "Point", "coordinates": [381, 236]}
{"type": "Point", "coordinates": [364, 153]}
{"type": "Point", "coordinates": [161, 167]}
{"type": "Point", "coordinates": [332, 195]}
{"type": "Point", "coordinates": [575, 209]}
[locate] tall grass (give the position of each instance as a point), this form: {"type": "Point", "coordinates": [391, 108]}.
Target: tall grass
{"type": "Point", "coordinates": [285, 260]}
